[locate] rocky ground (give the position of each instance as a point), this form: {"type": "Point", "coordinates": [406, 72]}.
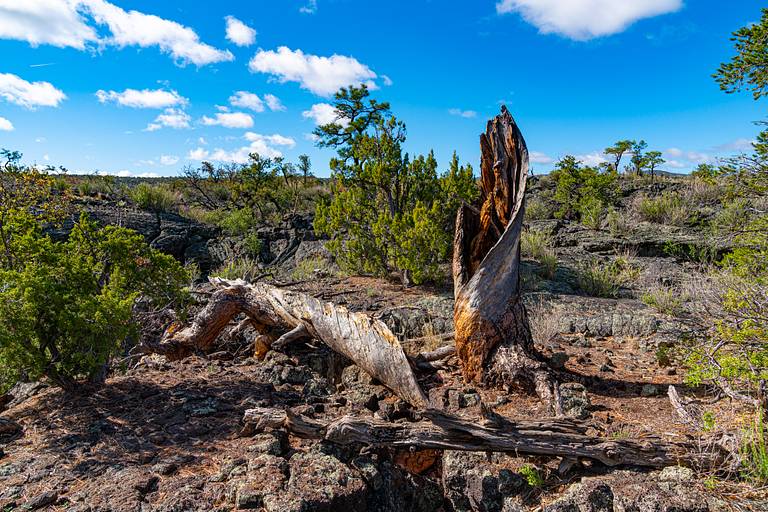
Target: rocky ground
{"type": "Point", "coordinates": [170, 436]}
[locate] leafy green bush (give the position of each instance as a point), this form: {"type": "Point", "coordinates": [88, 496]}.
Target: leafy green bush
{"type": "Point", "coordinates": [155, 198]}
{"type": "Point", "coordinates": [66, 307]}
{"type": "Point", "coordinates": [388, 212]}
{"type": "Point", "coordinates": [669, 208]}
{"type": "Point", "coordinates": [583, 192]}
{"type": "Point", "coordinates": [540, 246]}
{"type": "Point", "coordinates": [531, 475]}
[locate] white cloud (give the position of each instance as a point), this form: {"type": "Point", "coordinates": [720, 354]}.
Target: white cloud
{"type": "Point", "coordinates": [592, 159]}
{"type": "Point", "coordinates": [145, 98]}
{"type": "Point", "coordinates": [73, 23]}
{"type": "Point", "coordinates": [202, 141]}
{"type": "Point", "coordinates": [540, 158]}
{"type": "Point", "coordinates": [736, 145]}
{"type": "Point", "coordinates": [320, 75]}
{"type": "Point", "coordinates": [264, 145]}
{"type": "Point", "coordinates": [197, 154]}
{"type": "Point", "coordinates": [246, 99]}
{"type": "Point", "coordinates": [29, 94]}
{"type": "Point", "coordinates": [5, 125]}
{"type": "Point", "coordinates": [37, 22]}
{"type": "Point", "coordinates": [239, 33]}
{"type": "Point", "coordinates": [467, 114]}
{"type": "Point", "coordinates": [168, 160]}
{"type": "Point", "coordinates": [324, 113]}
{"type": "Point", "coordinates": [309, 8]}
{"type": "Point", "coordinates": [170, 118]}
{"type": "Point", "coordinates": [229, 120]}
{"type": "Point", "coordinates": [586, 19]}
{"type": "Point", "coordinates": [274, 103]}
{"type": "Point", "coordinates": [692, 157]}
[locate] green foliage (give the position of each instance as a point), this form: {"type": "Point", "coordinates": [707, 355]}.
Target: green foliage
{"type": "Point", "coordinates": [664, 299]}
{"type": "Point", "coordinates": [538, 209]}
{"type": "Point", "coordinates": [66, 307]}
{"type": "Point", "coordinates": [617, 151]}
{"type": "Point", "coordinates": [388, 212]}
{"type": "Point", "coordinates": [733, 218]}
{"type": "Point", "coordinates": [156, 198]}
{"type": "Point", "coordinates": [747, 69]}
{"type": "Point", "coordinates": [308, 268]}
{"type": "Point", "coordinates": [583, 192]}
{"type": "Point", "coordinates": [754, 452]}
{"type": "Point", "coordinates": [240, 268]}
{"type": "Point", "coordinates": [540, 246]}
{"type": "Point", "coordinates": [253, 244]}
{"type": "Point", "coordinates": [704, 254]}
{"type": "Point", "coordinates": [669, 208]}
{"type": "Point", "coordinates": [532, 475]}
{"type": "Point", "coordinates": [708, 421]}
{"type": "Point", "coordinates": [606, 279]}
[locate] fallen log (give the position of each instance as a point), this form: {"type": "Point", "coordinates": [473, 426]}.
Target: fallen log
{"type": "Point", "coordinates": [283, 316]}
{"type": "Point", "coordinates": [554, 437]}
{"type": "Point", "coordinates": [493, 337]}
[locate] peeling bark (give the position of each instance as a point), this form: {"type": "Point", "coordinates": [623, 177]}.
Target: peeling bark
{"type": "Point", "coordinates": [493, 337]}
{"type": "Point", "coordinates": [289, 316]}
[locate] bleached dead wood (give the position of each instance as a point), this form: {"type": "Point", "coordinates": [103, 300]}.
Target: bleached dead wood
{"type": "Point", "coordinates": [438, 430]}
{"type": "Point", "coordinates": [493, 336]}
{"type": "Point", "coordinates": [282, 316]}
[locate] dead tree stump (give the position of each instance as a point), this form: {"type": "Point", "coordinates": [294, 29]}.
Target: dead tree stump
{"type": "Point", "coordinates": [493, 337]}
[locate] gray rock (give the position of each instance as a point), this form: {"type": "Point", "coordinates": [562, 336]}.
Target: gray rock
{"type": "Point", "coordinates": [576, 402]}
{"type": "Point", "coordinates": [471, 484]}
{"type": "Point", "coordinates": [649, 390]}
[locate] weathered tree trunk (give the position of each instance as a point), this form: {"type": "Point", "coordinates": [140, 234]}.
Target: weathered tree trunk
{"type": "Point", "coordinates": [441, 431]}
{"type": "Point", "coordinates": [284, 316]}
{"type": "Point", "coordinates": [493, 337]}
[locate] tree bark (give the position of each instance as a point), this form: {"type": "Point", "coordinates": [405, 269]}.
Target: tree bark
{"type": "Point", "coordinates": [493, 337]}
{"type": "Point", "coordinates": [285, 316]}
{"type": "Point", "coordinates": [441, 431]}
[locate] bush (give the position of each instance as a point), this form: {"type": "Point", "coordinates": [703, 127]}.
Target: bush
{"type": "Point", "coordinates": [754, 452]}
{"type": "Point", "coordinates": [538, 209]}
{"type": "Point", "coordinates": [66, 308]}
{"type": "Point", "coordinates": [540, 246]}
{"type": "Point", "coordinates": [664, 299]}
{"type": "Point", "coordinates": [246, 269]}
{"type": "Point", "coordinates": [605, 280]}
{"type": "Point", "coordinates": [308, 268]}
{"type": "Point", "coordinates": [155, 198]}
{"type": "Point", "coordinates": [582, 192]}
{"type": "Point", "coordinates": [669, 208]}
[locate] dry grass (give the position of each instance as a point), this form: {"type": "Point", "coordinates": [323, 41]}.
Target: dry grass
{"type": "Point", "coordinates": [545, 320]}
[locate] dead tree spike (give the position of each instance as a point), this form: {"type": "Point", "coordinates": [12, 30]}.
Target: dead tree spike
{"type": "Point", "coordinates": [493, 337]}
{"type": "Point", "coordinates": [289, 316]}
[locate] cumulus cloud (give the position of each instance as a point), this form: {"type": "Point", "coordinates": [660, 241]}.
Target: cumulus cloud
{"type": "Point", "coordinates": [145, 98]}
{"type": "Point", "coordinates": [5, 125]}
{"type": "Point", "coordinates": [239, 33]}
{"type": "Point", "coordinates": [170, 118]}
{"type": "Point", "coordinates": [168, 160]}
{"type": "Point", "coordinates": [263, 145]}
{"type": "Point", "coordinates": [324, 113]}
{"type": "Point", "coordinates": [37, 22]}
{"type": "Point", "coordinates": [467, 114]}
{"type": "Point", "coordinates": [320, 75]}
{"type": "Point", "coordinates": [229, 120]}
{"type": "Point", "coordinates": [29, 95]}
{"type": "Point", "coordinates": [586, 19]}
{"type": "Point", "coordinates": [74, 23]}
{"type": "Point", "coordinates": [274, 103]}
{"type": "Point", "coordinates": [593, 159]}
{"type": "Point", "coordinates": [537, 157]}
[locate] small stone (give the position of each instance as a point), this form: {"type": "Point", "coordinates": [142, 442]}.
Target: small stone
{"type": "Point", "coordinates": [42, 500]}
{"type": "Point", "coordinates": [575, 400]}
{"type": "Point", "coordinates": [649, 390]}
{"type": "Point", "coordinates": [605, 368]}
{"type": "Point", "coordinates": [676, 474]}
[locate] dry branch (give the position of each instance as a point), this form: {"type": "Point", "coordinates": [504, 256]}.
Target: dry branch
{"type": "Point", "coordinates": [282, 316]}
{"type": "Point", "coordinates": [493, 337]}
{"type": "Point", "coordinates": [441, 431]}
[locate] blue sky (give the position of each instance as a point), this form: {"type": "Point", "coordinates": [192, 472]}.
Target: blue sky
{"type": "Point", "coordinates": [138, 87]}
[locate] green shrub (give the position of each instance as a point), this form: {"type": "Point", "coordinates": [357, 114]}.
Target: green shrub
{"type": "Point", "coordinates": [253, 244]}
{"type": "Point", "coordinates": [67, 307]}
{"type": "Point", "coordinates": [246, 269]}
{"type": "Point", "coordinates": [310, 267]}
{"type": "Point", "coordinates": [540, 246]}
{"type": "Point", "coordinates": [605, 280]}
{"type": "Point", "coordinates": [669, 208]}
{"type": "Point", "coordinates": [155, 198]}
{"type": "Point", "coordinates": [733, 218]}
{"type": "Point", "coordinates": [538, 209]}
{"type": "Point", "coordinates": [754, 452]}
{"type": "Point", "coordinates": [236, 222]}
{"type": "Point", "coordinates": [582, 192]}
{"type": "Point", "coordinates": [664, 299]}
{"type": "Point", "coordinates": [532, 475]}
